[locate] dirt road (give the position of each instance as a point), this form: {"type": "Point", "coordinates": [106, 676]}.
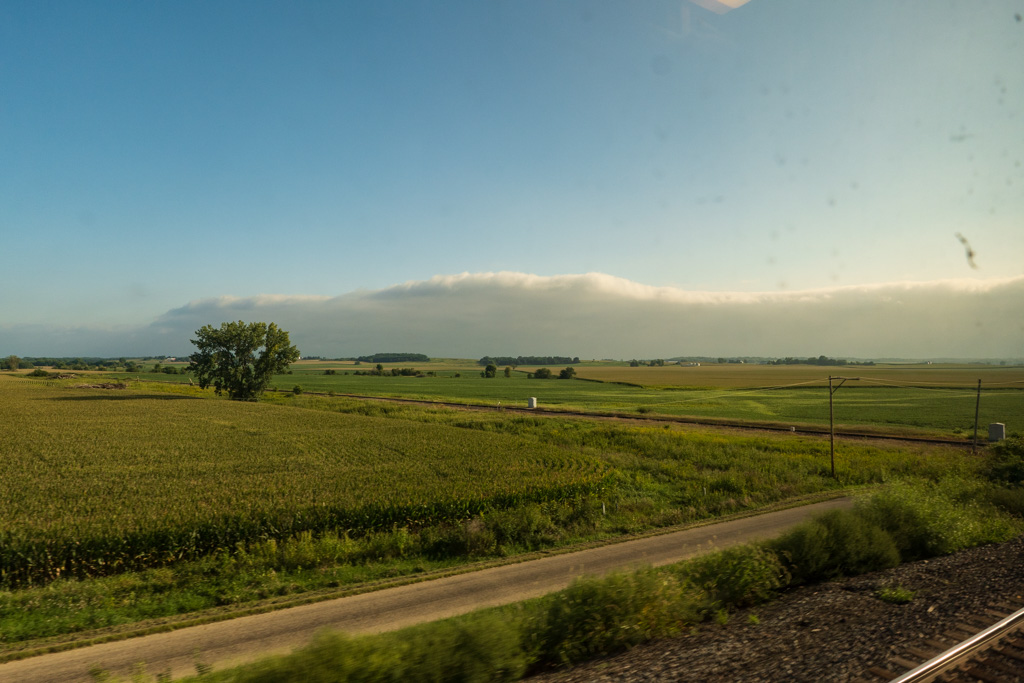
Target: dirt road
{"type": "Point", "coordinates": [239, 640]}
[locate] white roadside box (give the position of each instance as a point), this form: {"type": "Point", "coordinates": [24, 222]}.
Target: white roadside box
{"type": "Point", "coordinates": [996, 431]}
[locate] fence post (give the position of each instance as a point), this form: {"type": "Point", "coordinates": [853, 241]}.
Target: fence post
{"type": "Point", "coordinates": [977, 407]}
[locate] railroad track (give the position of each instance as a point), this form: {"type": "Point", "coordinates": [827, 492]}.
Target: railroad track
{"type": "Point", "coordinates": [663, 419]}
{"type": "Point", "coordinates": [985, 647]}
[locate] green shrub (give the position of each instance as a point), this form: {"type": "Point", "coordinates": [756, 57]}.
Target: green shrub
{"type": "Point", "coordinates": [297, 390]}
{"type": "Point", "coordinates": [471, 649]}
{"type": "Point", "coordinates": [895, 595]}
{"type": "Point", "coordinates": [303, 551]}
{"type": "Point", "coordinates": [1006, 462]}
{"type": "Point", "coordinates": [858, 546]}
{"type": "Point", "coordinates": [478, 539]}
{"type": "Point", "coordinates": [471, 538]}
{"type": "Point", "coordinates": [479, 647]}
{"type": "Point", "coordinates": [332, 657]}
{"type": "Point", "coordinates": [903, 517]}
{"type": "Point", "coordinates": [738, 577]}
{"type": "Point", "coordinates": [926, 520]}
{"type": "Point", "coordinates": [527, 526]}
{"type": "Point", "coordinates": [388, 545]}
{"type": "Point", "coordinates": [1009, 500]}
{"type": "Point", "coordinates": [839, 543]}
{"type": "Point", "coordinates": [597, 617]}
{"type": "Point", "coordinates": [804, 551]}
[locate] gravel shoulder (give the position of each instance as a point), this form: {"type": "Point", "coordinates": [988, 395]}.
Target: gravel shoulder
{"type": "Point", "coordinates": [827, 632]}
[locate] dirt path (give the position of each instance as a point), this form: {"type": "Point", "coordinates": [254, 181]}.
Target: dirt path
{"type": "Point", "coordinates": [231, 642]}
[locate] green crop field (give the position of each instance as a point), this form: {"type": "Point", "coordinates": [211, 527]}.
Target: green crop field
{"type": "Point", "coordinates": [102, 480]}
{"type": "Point", "coordinates": [926, 399]}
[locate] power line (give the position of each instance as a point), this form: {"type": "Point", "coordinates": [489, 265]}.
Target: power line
{"type": "Point", "coordinates": [723, 393]}
{"type": "Point", "coordinates": [907, 383]}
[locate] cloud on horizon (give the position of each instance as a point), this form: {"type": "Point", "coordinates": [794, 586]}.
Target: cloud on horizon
{"type": "Point", "coordinates": [591, 315]}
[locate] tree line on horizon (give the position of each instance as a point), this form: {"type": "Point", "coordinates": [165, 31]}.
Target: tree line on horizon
{"type": "Point", "coordinates": [76, 363]}
{"type": "Point", "coordinates": [392, 357]}
{"type": "Point", "coordinates": [527, 360]}
{"type": "Point", "coordinates": [820, 360]}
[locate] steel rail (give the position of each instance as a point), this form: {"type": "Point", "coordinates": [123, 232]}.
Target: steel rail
{"type": "Point", "coordinates": [677, 419]}
{"type": "Point", "coordinates": [957, 654]}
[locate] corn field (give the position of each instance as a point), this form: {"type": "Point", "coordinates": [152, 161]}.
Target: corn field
{"type": "Point", "coordinates": [101, 481]}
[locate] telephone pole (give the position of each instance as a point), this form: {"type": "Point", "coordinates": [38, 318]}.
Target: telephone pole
{"type": "Point", "coordinates": [831, 419]}
{"type": "Point", "coordinates": [977, 407]}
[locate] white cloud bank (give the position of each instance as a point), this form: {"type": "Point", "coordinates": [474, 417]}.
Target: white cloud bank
{"type": "Point", "coordinates": [591, 316]}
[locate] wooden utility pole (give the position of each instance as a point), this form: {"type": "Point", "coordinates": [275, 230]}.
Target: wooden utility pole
{"type": "Point", "coordinates": [831, 419]}
{"type": "Point", "coordinates": [977, 407]}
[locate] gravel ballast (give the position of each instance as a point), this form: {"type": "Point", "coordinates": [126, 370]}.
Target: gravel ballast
{"type": "Point", "coordinates": [826, 632]}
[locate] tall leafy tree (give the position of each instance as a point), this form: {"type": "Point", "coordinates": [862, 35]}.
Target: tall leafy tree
{"type": "Point", "coordinates": [240, 358]}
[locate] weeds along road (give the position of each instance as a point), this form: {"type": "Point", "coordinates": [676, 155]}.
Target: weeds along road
{"type": "Point", "coordinates": [235, 641]}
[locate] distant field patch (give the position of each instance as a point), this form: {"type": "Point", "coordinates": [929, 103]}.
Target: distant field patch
{"type": "Point", "coordinates": [733, 376]}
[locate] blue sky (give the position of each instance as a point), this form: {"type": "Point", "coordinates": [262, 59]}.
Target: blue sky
{"type": "Point", "coordinates": [157, 154]}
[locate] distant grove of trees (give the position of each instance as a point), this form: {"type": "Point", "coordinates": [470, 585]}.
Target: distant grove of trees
{"type": "Point", "coordinates": [394, 358]}
{"type": "Point", "coordinates": [88, 363]}
{"type": "Point", "coordinates": [379, 371]}
{"type": "Point", "coordinates": [527, 360]}
{"type": "Point", "coordinates": [820, 360]}
{"type": "Point", "coordinates": [92, 363]}
{"type": "Point", "coordinates": [545, 373]}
